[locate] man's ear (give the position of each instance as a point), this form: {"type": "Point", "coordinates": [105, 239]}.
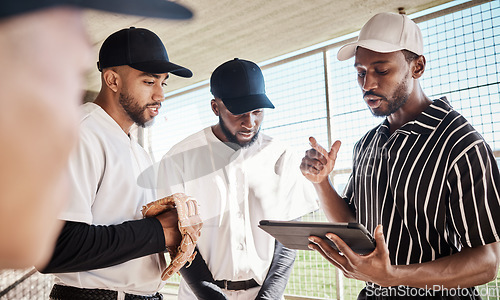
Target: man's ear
{"type": "Point", "coordinates": [111, 78]}
{"type": "Point", "coordinates": [418, 67]}
{"type": "Point", "coordinates": [215, 107]}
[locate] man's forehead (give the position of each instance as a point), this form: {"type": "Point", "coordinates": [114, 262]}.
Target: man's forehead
{"type": "Point", "coordinates": [162, 76]}
{"type": "Point", "coordinates": [374, 57]}
{"type": "Point", "coordinates": [252, 111]}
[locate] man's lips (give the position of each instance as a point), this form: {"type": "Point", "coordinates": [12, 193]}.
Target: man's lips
{"type": "Point", "coordinates": [246, 134]}
{"type": "Point", "coordinates": [373, 102]}
{"type": "Point", "coordinates": [153, 109]}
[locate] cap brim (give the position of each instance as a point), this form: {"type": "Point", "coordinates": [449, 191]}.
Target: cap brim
{"type": "Point", "coordinates": [349, 50]}
{"type": "Point", "coordinates": [148, 8]}
{"type": "Point", "coordinates": [160, 67]}
{"type": "Point", "coordinates": [241, 105]}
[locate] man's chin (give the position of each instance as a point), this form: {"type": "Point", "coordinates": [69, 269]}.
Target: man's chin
{"type": "Point", "coordinates": [245, 144]}
{"type": "Point", "coordinates": [146, 124]}
{"type": "Point", "coordinates": [248, 142]}
{"type": "Point", "coordinates": [378, 112]}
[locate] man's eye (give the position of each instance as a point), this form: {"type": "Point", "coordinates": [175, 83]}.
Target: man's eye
{"type": "Point", "coordinates": [361, 74]}
{"type": "Point", "coordinates": [382, 72]}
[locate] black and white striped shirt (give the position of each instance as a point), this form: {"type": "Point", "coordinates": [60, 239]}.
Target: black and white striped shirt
{"type": "Point", "coordinates": [433, 184]}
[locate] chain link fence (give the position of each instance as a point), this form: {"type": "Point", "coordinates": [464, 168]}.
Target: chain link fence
{"type": "Point", "coordinates": [27, 284]}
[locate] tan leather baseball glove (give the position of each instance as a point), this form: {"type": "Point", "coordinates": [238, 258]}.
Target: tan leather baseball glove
{"type": "Point", "coordinates": [189, 225]}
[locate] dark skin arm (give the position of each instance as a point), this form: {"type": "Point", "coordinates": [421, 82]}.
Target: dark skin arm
{"type": "Point", "coordinates": [468, 268]}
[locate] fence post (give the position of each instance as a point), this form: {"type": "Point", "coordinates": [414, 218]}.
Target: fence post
{"type": "Point", "coordinates": [339, 284]}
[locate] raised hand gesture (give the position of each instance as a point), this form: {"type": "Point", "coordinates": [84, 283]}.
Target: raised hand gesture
{"type": "Point", "coordinates": [318, 163]}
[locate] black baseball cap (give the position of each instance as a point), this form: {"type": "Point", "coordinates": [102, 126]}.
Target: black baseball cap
{"type": "Point", "coordinates": [140, 49]}
{"type": "Point", "coordinates": [148, 8]}
{"type": "Point", "coordinates": [240, 85]}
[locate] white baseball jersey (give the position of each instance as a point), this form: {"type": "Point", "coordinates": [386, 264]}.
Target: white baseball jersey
{"type": "Point", "coordinates": [235, 190]}
{"type": "Point", "coordinates": [104, 172]}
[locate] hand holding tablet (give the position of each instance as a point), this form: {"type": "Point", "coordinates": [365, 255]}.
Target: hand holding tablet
{"type": "Point", "coordinates": [294, 234]}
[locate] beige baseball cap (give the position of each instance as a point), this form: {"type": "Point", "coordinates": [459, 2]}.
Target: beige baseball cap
{"type": "Point", "coordinates": [386, 32]}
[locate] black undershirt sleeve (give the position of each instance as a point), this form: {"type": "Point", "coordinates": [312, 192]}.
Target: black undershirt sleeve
{"type": "Point", "coordinates": [279, 272]}
{"type": "Point", "coordinates": [83, 247]}
{"type": "Point", "coordinates": [200, 279]}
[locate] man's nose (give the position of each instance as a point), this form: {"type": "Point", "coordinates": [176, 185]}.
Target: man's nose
{"type": "Point", "coordinates": [248, 121]}
{"type": "Point", "coordinates": [159, 93]}
{"type": "Point", "coordinates": [369, 83]}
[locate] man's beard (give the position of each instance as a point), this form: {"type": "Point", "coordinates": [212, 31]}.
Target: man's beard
{"type": "Point", "coordinates": [399, 97]}
{"type": "Point", "coordinates": [134, 111]}
{"type": "Point", "coordinates": [233, 140]}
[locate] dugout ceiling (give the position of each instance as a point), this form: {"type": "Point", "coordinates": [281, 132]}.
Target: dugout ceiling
{"type": "Point", "coordinates": [256, 30]}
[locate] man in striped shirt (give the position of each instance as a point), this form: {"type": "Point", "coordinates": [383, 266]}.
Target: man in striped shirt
{"type": "Point", "coordinates": [423, 181]}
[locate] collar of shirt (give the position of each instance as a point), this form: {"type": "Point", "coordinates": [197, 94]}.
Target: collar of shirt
{"type": "Point", "coordinates": [106, 120]}
{"type": "Point", "coordinates": [425, 123]}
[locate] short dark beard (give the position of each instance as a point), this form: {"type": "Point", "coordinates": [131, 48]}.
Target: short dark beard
{"type": "Point", "coordinates": [399, 99]}
{"type": "Point", "coordinates": [232, 139]}
{"type": "Point", "coordinates": [133, 110]}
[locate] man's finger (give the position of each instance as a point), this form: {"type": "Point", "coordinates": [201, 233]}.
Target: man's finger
{"type": "Point", "coordinates": [328, 250]}
{"type": "Point", "coordinates": [318, 164]}
{"type": "Point", "coordinates": [308, 169]}
{"type": "Point", "coordinates": [380, 239]}
{"type": "Point", "coordinates": [314, 156]}
{"type": "Point", "coordinates": [348, 253]}
{"type": "Point", "coordinates": [317, 147]}
{"type": "Point", "coordinates": [317, 248]}
{"type": "Point", "coordinates": [334, 150]}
